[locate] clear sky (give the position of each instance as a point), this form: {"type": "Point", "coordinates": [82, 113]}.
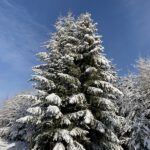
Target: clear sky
{"type": "Point", "coordinates": [26, 24]}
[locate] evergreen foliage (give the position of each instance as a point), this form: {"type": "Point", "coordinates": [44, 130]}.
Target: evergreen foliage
{"type": "Point", "coordinates": [13, 109]}
{"type": "Point", "coordinates": [135, 106]}
{"type": "Point", "coordinates": [74, 107]}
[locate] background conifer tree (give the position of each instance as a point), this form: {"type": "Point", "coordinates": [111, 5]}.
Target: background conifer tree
{"type": "Point", "coordinates": [135, 107]}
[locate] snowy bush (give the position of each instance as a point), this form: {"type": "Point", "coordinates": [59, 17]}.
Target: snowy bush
{"type": "Point", "coordinates": [11, 110]}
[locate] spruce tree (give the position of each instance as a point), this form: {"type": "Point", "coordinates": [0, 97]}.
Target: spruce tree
{"type": "Point", "coordinates": [74, 107]}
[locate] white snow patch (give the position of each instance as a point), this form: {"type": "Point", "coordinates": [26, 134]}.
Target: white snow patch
{"type": "Point", "coordinates": [54, 99]}
{"type": "Point", "coordinates": [65, 120]}
{"type": "Point", "coordinates": [108, 86]}
{"type": "Point", "coordinates": [94, 90]}
{"type": "Point", "coordinates": [59, 146]}
{"type": "Point", "coordinates": [77, 99]}
{"type": "Point", "coordinates": [27, 96]}
{"type": "Point", "coordinates": [63, 134]}
{"type": "Point", "coordinates": [91, 70]}
{"type": "Point", "coordinates": [24, 119]}
{"type": "Point", "coordinates": [88, 118]}
{"type": "Point", "coordinates": [54, 111]}
{"type": "Point", "coordinates": [35, 110]}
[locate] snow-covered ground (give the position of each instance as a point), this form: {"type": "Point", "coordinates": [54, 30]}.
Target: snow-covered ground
{"type": "Point", "coordinates": [12, 146]}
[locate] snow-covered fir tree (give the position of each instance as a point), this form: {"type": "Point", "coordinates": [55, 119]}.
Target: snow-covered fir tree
{"type": "Point", "coordinates": [74, 107]}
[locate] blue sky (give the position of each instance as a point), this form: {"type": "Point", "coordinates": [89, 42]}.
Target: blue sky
{"type": "Point", "coordinates": [26, 24]}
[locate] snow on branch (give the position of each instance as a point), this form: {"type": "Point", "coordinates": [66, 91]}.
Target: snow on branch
{"type": "Point", "coordinates": [25, 119]}
{"type": "Point", "coordinates": [65, 121]}
{"type": "Point", "coordinates": [96, 50]}
{"type": "Point", "coordinates": [89, 38]}
{"type": "Point", "coordinates": [43, 55]}
{"type": "Point", "coordinates": [78, 132]}
{"type": "Point", "coordinates": [106, 104]}
{"type": "Point", "coordinates": [41, 67]}
{"type": "Point", "coordinates": [102, 61]}
{"type": "Point", "coordinates": [35, 110]}
{"type": "Point", "coordinates": [53, 111]}
{"type": "Point", "coordinates": [62, 134]}
{"type": "Point", "coordinates": [86, 114]}
{"type": "Point", "coordinates": [88, 118]}
{"type": "Point", "coordinates": [78, 146]}
{"type": "Point", "coordinates": [108, 76]}
{"type": "Point", "coordinates": [100, 126]}
{"type": "Point", "coordinates": [43, 80]}
{"type": "Point", "coordinates": [44, 73]}
{"type": "Point", "coordinates": [54, 99]}
{"type": "Point", "coordinates": [112, 137]}
{"type": "Point", "coordinates": [112, 119]}
{"type": "Point", "coordinates": [76, 115]}
{"type": "Point", "coordinates": [94, 90]}
{"type": "Point", "coordinates": [27, 96]}
{"type": "Point", "coordinates": [69, 79]}
{"type": "Point", "coordinates": [107, 86]}
{"type": "Point", "coordinates": [40, 79]}
{"type": "Point", "coordinates": [42, 93]}
{"type": "Point", "coordinates": [59, 146]}
{"type": "Point", "coordinates": [77, 99]}
{"type": "Point", "coordinates": [91, 70]}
